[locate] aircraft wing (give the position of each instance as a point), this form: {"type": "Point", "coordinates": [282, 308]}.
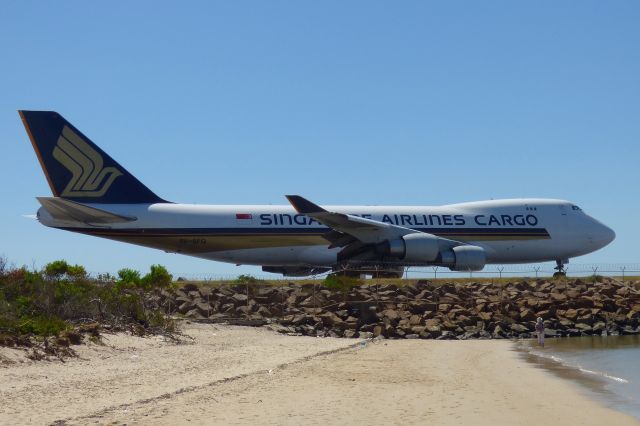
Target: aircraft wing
{"type": "Point", "coordinates": [348, 228]}
{"type": "Point", "coordinates": [62, 209]}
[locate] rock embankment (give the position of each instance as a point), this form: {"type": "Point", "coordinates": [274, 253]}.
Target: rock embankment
{"type": "Point", "coordinates": [424, 310]}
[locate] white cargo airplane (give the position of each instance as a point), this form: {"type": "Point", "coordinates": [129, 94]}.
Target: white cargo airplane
{"type": "Point", "coordinates": [94, 195]}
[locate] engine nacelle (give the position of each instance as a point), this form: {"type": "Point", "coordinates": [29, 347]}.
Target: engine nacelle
{"type": "Point", "coordinates": [414, 248]}
{"type": "Point", "coordinates": [465, 258]}
{"type": "Point", "coordinates": [424, 249]}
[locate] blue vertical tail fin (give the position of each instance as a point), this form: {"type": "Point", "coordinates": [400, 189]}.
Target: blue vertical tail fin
{"type": "Point", "coordinates": [76, 168]}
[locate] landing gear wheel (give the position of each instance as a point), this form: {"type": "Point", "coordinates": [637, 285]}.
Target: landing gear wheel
{"type": "Point", "coordinates": [560, 268]}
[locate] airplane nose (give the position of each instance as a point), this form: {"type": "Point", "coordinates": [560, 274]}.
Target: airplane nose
{"type": "Point", "coordinates": [604, 235]}
{"type": "Point", "coordinates": [610, 234]}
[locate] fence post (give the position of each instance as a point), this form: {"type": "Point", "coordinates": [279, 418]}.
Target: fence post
{"type": "Point", "coordinates": [594, 269]}
{"type": "Point", "coordinates": [537, 269]}
{"type": "Point", "coordinates": [500, 269]}
{"type": "Point", "coordinates": [623, 269]}
{"type": "Point", "coordinates": [435, 272]}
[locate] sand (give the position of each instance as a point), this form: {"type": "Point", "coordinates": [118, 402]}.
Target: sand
{"type": "Point", "coordinates": [239, 375]}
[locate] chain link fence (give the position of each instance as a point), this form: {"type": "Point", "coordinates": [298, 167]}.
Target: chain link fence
{"type": "Point", "coordinates": [540, 270]}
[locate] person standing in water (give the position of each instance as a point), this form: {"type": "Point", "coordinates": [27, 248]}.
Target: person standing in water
{"type": "Point", "coordinates": [540, 331]}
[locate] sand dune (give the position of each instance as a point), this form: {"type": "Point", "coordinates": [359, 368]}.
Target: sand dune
{"type": "Point", "coordinates": [236, 375]}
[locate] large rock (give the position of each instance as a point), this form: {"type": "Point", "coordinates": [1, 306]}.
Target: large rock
{"type": "Point", "coordinates": [349, 334]}
{"type": "Point", "coordinates": [571, 314]}
{"type": "Point", "coordinates": [314, 301]}
{"type": "Point", "coordinates": [203, 308]}
{"type": "Point", "coordinates": [227, 308]}
{"type": "Point", "coordinates": [433, 325]}
{"type": "Point", "coordinates": [377, 330]}
{"type": "Point", "coordinates": [390, 314]}
{"type": "Point", "coordinates": [558, 297]}
{"type": "Point", "coordinates": [330, 319]}
{"type": "Point", "coordinates": [623, 291]}
{"type": "Point", "coordinates": [519, 328]}
{"type": "Point", "coordinates": [189, 287]}
{"type": "Point", "coordinates": [264, 312]}
{"type": "Point", "coordinates": [444, 307]}
{"type": "Point", "coordinates": [295, 298]}
{"type": "Point", "coordinates": [239, 298]}
{"type": "Point", "coordinates": [584, 302]}
{"type": "Point", "coordinates": [418, 329]}
{"type": "Point", "coordinates": [485, 316]}
{"type": "Point", "coordinates": [194, 314]}
{"type": "Point", "coordinates": [447, 335]}
{"type": "Point", "coordinates": [242, 310]}
{"type": "Point", "coordinates": [498, 332]}
{"type": "Point", "coordinates": [206, 293]}
{"type": "Point", "coordinates": [565, 323]}
{"type": "Point", "coordinates": [186, 307]}
{"type": "Point", "coordinates": [415, 320]}
{"type": "Point", "coordinates": [527, 315]}
{"type": "Point", "coordinates": [583, 327]}
{"type": "Point", "coordinates": [181, 298]}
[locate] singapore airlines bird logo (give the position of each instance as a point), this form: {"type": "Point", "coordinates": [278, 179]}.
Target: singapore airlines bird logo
{"type": "Point", "coordinates": [89, 177]}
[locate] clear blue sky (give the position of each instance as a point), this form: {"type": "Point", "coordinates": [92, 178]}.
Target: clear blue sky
{"type": "Point", "coordinates": [344, 102]}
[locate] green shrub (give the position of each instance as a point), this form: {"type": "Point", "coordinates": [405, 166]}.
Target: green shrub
{"type": "Point", "coordinates": [246, 279]}
{"type": "Point", "coordinates": [158, 276]}
{"type": "Point", "coordinates": [42, 325]}
{"type": "Point", "coordinates": [47, 302]}
{"type": "Point", "coordinates": [341, 283]}
{"type": "Point", "coordinates": [128, 278]}
{"type": "Point", "coordinates": [60, 268]}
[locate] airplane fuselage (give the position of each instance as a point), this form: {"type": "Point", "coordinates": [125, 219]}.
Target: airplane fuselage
{"type": "Point", "coordinates": [510, 231]}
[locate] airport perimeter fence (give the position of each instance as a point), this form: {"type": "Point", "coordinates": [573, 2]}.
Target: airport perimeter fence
{"type": "Point", "coordinates": [621, 270]}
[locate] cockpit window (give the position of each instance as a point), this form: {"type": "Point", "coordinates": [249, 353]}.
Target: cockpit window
{"type": "Point", "coordinates": [576, 208]}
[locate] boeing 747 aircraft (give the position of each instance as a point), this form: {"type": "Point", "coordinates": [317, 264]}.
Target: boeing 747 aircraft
{"type": "Point", "coordinates": [95, 195]}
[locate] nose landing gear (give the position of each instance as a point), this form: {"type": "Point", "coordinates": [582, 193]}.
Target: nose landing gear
{"type": "Point", "coordinates": [561, 272]}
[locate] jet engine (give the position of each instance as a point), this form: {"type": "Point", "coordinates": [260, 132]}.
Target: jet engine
{"type": "Point", "coordinates": [413, 248]}
{"type": "Point", "coordinates": [464, 258]}
{"type": "Point", "coordinates": [423, 249]}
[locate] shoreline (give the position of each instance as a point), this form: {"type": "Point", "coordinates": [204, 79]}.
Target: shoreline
{"type": "Point", "coordinates": [238, 375]}
{"type": "Point", "coordinates": [595, 382]}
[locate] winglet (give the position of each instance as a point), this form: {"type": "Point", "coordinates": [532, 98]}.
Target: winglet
{"type": "Point", "coordinates": [304, 206]}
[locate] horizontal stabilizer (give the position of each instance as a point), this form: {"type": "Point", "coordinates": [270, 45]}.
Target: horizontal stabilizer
{"type": "Point", "coordinates": [61, 209]}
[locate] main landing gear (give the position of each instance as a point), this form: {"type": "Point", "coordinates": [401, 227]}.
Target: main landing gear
{"type": "Point", "coordinates": [560, 268]}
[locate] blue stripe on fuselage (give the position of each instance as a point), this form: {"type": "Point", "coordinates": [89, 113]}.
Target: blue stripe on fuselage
{"type": "Point", "coordinates": [512, 232]}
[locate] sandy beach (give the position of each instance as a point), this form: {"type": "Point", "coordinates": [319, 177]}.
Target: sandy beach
{"type": "Point", "coordinates": [239, 375]}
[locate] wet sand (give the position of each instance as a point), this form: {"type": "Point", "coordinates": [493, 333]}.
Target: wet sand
{"type": "Point", "coordinates": [606, 367]}
{"type": "Point", "coordinates": [236, 375]}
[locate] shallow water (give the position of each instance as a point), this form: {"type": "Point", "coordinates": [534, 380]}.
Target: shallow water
{"type": "Point", "coordinates": [607, 367]}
